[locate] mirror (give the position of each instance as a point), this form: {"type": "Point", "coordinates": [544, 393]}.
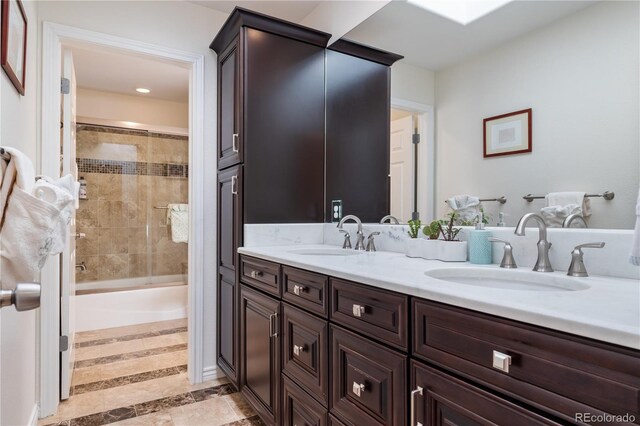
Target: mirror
{"type": "Point", "coordinates": [574, 64]}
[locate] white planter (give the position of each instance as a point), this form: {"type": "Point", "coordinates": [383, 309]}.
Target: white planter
{"type": "Point", "coordinates": [452, 251]}
{"type": "Point", "coordinates": [430, 249]}
{"type": "Point", "coordinates": [413, 247]}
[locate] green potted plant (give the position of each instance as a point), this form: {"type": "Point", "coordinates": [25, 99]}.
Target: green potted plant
{"type": "Point", "coordinates": [451, 249]}
{"type": "Point", "coordinates": [430, 246]}
{"type": "Point", "coordinates": [413, 243]}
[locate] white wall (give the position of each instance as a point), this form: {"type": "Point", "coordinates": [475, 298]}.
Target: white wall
{"type": "Point", "coordinates": [412, 83]}
{"type": "Point", "coordinates": [18, 360]}
{"type": "Point", "coordinates": [580, 76]}
{"type": "Point", "coordinates": [180, 25]}
{"type": "Point", "coordinates": [119, 107]}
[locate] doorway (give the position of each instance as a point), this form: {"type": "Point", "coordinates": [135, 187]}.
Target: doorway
{"type": "Point", "coordinates": [412, 161]}
{"type": "Point", "coordinates": [57, 38]}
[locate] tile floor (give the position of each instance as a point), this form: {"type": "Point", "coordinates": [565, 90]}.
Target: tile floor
{"type": "Point", "coordinates": [137, 375]}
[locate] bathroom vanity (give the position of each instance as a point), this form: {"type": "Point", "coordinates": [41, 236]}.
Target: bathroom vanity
{"type": "Point", "coordinates": [369, 338]}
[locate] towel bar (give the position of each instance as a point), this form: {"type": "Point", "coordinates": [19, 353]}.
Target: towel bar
{"type": "Point", "coordinates": [25, 297]}
{"type": "Point", "coordinates": [161, 207]}
{"type": "Point", "coordinates": [500, 200]}
{"type": "Point", "coordinates": [607, 195]}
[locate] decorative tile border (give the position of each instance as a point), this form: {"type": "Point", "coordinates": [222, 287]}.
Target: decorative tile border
{"type": "Point", "coordinates": [129, 355]}
{"type": "Point", "coordinates": [129, 337]}
{"type": "Point", "coordinates": [122, 131]}
{"type": "Point", "coordinates": [138, 168]}
{"type": "Point", "coordinates": [127, 380]}
{"type": "Point", "coordinates": [149, 407]}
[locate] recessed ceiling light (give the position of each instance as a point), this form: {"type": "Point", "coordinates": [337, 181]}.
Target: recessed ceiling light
{"type": "Point", "coordinates": [143, 90]}
{"type": "Point", "coordinates": [461, 11]}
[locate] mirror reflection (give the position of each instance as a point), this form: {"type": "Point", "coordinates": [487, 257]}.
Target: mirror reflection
{"type": "Point", "coordinates": [530, 108]}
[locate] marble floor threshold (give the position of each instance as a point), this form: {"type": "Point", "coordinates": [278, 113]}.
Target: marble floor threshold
{"type": "Point", "coordinates": [139, 395]}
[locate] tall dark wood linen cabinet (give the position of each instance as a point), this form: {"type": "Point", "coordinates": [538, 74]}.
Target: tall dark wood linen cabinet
{"type": "Point", "coordinates": [275, 101]}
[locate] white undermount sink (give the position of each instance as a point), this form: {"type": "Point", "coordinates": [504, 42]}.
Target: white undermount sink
{"type": "Point", "coordinates": [328, 251]}
{"type": "Point", "coordinates": [507, 279]}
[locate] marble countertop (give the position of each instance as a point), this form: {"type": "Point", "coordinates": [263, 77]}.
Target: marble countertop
{"type": "Point", "coordinates": [609, 310]}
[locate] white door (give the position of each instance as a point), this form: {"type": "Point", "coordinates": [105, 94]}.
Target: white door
{"type": "Point", "coordinates": [68, 258]}
{"type": "Point", "coordinates": [401, 168]}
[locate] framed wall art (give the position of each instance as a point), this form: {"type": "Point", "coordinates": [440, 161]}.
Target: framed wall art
{"type": "Point", "coordinates": [507, 134]}
{"type": "Point", "coordinates": [14, 43]}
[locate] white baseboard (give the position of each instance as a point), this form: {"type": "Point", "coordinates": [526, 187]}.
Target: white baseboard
{"type": "Point", "coordinates": [211, 373]}
{"type": "Point", "coordinates": [33, 420]}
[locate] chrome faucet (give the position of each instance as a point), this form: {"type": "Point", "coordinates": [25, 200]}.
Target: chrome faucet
{"type": "Point", "coordinates": [566, 223]}
{"type": "Point", "coordinates": [392, 220]}
{"type": "Point", "coordinates": [543, 264]}
{"type": "Point", "coordinates": [82, 266]}
{"type": "Point", "coordinates": [360, 235]}
{"type": "Point", "coordinates": [577, 268]}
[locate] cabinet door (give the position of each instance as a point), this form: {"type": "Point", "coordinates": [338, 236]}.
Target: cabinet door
{"type": "Point", "coordinates": [440, 399]}
{"type": "Point", "coordinates": [300, 409]}
{"type": "Point", "coordinates": [229, 237]}
{"type": "Point", "coordinates": [260, 353]}
{"type": "Point", "coordinates": [229, 107]}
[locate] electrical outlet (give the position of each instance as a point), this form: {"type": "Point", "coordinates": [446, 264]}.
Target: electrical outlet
{"type": "Point", "coordinates": [336, 210]}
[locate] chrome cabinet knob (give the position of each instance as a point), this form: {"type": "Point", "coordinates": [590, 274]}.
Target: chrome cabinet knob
{"type": "Point", "coordinates": [501, 361]}
{"type": "Point", "coordinates": [234, 142]}
{"type": "Point", "coordinates": [297, 350]}
{"type": "Point", "coordinates": [297, 289]}
{"type": "Point", "coordinates": [357, 388]}
{"type": "Point", "coordinates": [358, 310]}
{"type": "Point", "coordinates": [255, 274]}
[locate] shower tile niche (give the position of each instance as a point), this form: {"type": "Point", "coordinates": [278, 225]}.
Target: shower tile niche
{"type": "Point", "coordinates": [129, 173]}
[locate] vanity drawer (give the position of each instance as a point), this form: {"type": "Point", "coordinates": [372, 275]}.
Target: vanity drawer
{"type": "Point", "coordinates": [299, 408]}
{"type": "Point", "coordinates": [377, 313]}
{"type": "Point", "coordinates": [306, 290]}
{"type": "Point", "coordinates": [305, 351]}
{"type": "Point", "coordinates": [551, 369]}
{"type": "Point", "coordinates": [260, 274]}
{"type": "Point", "coordinates": [368, 381]}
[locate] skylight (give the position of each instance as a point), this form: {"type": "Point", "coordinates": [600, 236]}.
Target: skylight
{"type": "Point", "coordinates": [460, 11]}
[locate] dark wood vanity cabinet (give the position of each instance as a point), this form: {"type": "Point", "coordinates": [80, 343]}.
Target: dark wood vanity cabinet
{"type": "Point", "coordinates": [230, 146]}
{"type": "Point", "coordinates": [439, 399]}
{"type": "Point", "coordinates": [229, 191]}
{"type": "Point", "coordinates": [260, 353]}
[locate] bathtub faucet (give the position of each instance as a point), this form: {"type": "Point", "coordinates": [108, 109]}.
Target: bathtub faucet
{"type": "Point", "coordinates": [82, 266]}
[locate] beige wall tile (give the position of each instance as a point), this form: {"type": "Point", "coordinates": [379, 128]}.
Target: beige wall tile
{"type": "Point", "coordinates": [138, 265]}
{"type": "Point", "coordinates": [113, 241]}
{"type": "Point", "coordinates": [87, 246]}
{"type": "Point", "coordinates": [113, 266]}
{"type": "Point", "coordinates": [91, 274]}
{"type": "Point", "coordinates": [87, 214]}
{"type": "Point", "coordinates": [137, 240]}
{"type": "Point", "coordinates": [112, 214]}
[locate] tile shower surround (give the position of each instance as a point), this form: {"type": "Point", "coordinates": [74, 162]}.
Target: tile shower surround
{"type": "Point", "coordinates": [128, 172]}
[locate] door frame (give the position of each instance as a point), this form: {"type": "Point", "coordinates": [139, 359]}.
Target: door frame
{"type": "Point", "coordinates": [426, 155]}
{"type": "Point", "coordinates": [53, 37]}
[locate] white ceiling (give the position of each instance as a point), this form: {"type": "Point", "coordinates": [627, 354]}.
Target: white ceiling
{"type": "Point", "coordinates": [431, 41]}
{"type": "Point", "coordinates": [289, 10]}
{"type": "Point", "coordinates": [116, 72]}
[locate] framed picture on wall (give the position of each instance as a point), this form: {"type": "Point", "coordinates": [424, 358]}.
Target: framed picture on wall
{"type": "Point", "coordinates": [14, 42]}
{"type": "Point", "coordinates": [507, 134]}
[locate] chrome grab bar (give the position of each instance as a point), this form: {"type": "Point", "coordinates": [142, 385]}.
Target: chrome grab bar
{"type": "Point", "coordinates": [607, 195]}
{"type": "Point", "coordinates": [500, 200]}
{"type": "Point", "coordinates": [25, 297]}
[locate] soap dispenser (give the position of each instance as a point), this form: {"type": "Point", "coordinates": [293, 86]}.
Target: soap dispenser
{"type": "Point", "coordinates": [479, 244]}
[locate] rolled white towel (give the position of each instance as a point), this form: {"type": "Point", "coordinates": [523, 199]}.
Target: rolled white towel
{"type": "Point", "coordinates": [466, 206]}
{"type": "Point", "coordinates": [569, 198]}
{"type": "Point", "coordinates": [60, 194]}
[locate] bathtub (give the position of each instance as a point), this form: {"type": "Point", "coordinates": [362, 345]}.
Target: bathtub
{"type": "Point", "coordinates": [136, 306]}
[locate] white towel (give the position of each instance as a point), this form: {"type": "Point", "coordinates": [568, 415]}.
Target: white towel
{"type": "Point", "coordinates": [554, 216]}
{"type": "Point", "coordinates": [567, 198]}
{"type": "Point", "coordinates": [17, 170]}
{"type": "Point", "coordinates": [178, 218]}
{"type": "Point", "coordinates": [60, 194]}
{"type": "Point", "coordinates": [635, 245]}
{"type": "Point", "coordinates": [466, 206]}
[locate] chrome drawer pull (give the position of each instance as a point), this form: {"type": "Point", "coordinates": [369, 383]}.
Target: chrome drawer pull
{"type": "Point", "coordinates": [358, 388]}
{"type": "Point", "coordinates": [234, 185]}
{"type": "Point", "coordinates": [272, 320]}
{"type": "Point", "coordinates": [255, 274]}
{"type": "Point", "coordinates": [501, 361]}
{"type": "Point", "coordinates": [297, 289]}
{"type": "Point", "coordinates": [358, 310]}
{"type": "Point", "coordinates": [416, 391]}
{"type": "Point", "coordinates": [298, 349]}
{"type": "Point", "coordinates": [234, 143]}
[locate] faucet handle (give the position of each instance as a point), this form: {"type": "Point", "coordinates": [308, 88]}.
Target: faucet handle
{"type": "Point", "coordinates": [371, 245]}
{"type": "Point", "coordinates": [590, 245]}
{"type": "Point", "coordinates": [347, 239]}
{"type": "Point", "coordinates": [508, 261]}
{"type": "Point", "coordinates": [577, 268]}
